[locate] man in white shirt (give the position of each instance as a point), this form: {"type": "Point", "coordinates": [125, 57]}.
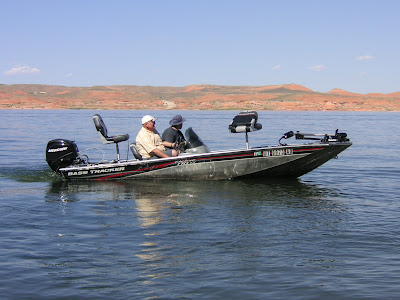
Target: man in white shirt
{"type": "Point", "coordinates": [149, 142]}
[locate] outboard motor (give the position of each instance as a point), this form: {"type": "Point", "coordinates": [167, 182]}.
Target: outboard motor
{"type": "Point", "coordinates": [195, 145]}
{"type": "Point", "coordinates": [61, 153]}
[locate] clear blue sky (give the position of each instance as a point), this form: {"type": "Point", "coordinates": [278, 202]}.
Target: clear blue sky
{"type": "Point", "coordinates": [352, 45]}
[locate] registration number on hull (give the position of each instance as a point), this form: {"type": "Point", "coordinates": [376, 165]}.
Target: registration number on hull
{"type": "Point", "coordinates": [274, 152]}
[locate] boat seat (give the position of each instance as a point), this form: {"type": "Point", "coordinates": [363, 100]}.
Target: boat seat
{"type": "Point", "coordinates": [245, 121]}
{"type": "Point", "coordinates": [102, 130]}
{"type": "Point", "coordinates": [135, 151]}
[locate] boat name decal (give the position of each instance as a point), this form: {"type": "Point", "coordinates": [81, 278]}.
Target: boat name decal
{"type": "Point", "coordinates": [185, 162]}
{"type": "Point", "coordinates": [77, 173]}
{"type": "Point", "coordinates": [58, 149]}
{"type": "Point", "coordinates": [99, 171]}
{"type": "Point", "coordinates": [276, 152]}
{"type": "Point", "coordinates": [107, 170]}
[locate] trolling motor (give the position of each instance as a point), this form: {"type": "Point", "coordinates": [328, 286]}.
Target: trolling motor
{"type": "Point", "coordinates": [337, 137]}
{"type": "Point", "coordinates": [246, 121]}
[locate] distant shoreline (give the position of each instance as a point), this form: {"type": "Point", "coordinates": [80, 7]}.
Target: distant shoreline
{"type": "Point", "coordinates": [233, 109]}
{"type": "Point", "coordinates": [194, 97]}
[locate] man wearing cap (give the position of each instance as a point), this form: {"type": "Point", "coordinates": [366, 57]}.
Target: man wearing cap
{"type": "Point", "coordinates": [172, 134]}
{"type": "Point", "coordinates": [149, 142]}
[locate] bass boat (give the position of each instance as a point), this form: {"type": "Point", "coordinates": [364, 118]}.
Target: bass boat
{"type": "Point", "coordinates": [196, 161]}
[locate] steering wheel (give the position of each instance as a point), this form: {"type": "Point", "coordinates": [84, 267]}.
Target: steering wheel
{"type": "Point", "coordinates": [180, 144]}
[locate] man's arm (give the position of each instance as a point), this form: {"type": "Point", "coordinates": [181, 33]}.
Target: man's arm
{"type": "Point", "coordinates": [159, 153]}
{"type": "Point", "coordinates": [168, 144]}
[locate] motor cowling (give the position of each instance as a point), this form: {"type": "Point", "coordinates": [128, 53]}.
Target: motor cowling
{"type": "Point", "coordinates": [61, 153]}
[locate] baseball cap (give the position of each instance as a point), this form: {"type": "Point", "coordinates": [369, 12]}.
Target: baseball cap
{"type": "Point", "coordinates": [148, 118]}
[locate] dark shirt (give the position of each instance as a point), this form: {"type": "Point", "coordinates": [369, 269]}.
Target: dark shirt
{"type": "Point", "coordinates": [171, 135]}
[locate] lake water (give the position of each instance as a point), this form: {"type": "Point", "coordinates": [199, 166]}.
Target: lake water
{"type": "Point", "coordinates": [332, 234]}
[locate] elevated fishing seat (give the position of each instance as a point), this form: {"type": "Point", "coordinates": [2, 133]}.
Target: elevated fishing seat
{"type": "Point", "coordinates": [102, 130]}
{"type": "Point", "coordinates": [246, 121]}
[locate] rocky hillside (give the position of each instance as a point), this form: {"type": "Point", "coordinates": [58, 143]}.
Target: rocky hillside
{"type": "Point", "coordinates": [193, 97]}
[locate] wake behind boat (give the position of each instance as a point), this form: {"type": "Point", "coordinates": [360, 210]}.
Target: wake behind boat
{"type": "Point", "coordinates": [197, 162]}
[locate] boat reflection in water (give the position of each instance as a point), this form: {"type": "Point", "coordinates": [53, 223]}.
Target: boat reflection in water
{"type": "Point", "coordinates": [155, 195]}
{"type": "Point", "coordinates": [163, 228]}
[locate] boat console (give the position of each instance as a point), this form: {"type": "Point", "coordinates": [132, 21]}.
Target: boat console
{"type": "Point", "coordinates": [246, 121]}
{"type": "Point", "coordinates": [194, 144]}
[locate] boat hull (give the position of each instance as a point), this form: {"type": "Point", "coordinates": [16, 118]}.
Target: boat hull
{"type": "Point", "coordinates": [270, 162]}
